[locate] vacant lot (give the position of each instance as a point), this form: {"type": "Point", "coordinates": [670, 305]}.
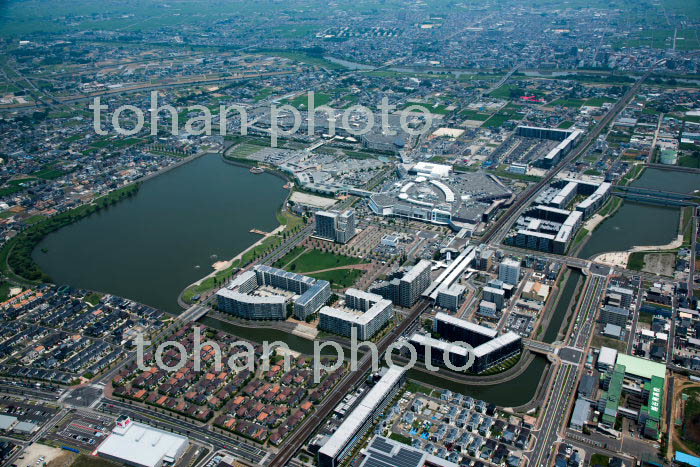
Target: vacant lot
{"type": "Point", "coordinates": [690, 434]}
{"type": "Point", "coordinates": [660, 263]}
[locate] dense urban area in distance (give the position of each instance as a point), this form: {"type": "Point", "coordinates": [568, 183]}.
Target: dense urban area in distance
{"type": "Point", "coordinates": [499, 200]}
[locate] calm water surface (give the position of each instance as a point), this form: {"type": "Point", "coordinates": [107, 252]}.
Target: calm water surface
{"type": "Point", "coordinates": [149, 247]}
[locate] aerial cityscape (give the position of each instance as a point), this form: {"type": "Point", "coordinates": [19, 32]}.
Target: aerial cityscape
{"type": "Point", "coordinates": [379, 233]}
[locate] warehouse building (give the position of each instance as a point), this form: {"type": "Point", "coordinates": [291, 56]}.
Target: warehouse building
{"type": "Point", "coordinates": [140, 445]}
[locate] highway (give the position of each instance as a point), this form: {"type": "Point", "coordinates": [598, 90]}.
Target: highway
{"type": "Point", "coordinates": [555, 411]}
{"type": "Point", "coordinates": [345, 386]}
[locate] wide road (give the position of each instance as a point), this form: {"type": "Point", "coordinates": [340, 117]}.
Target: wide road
{"type": "Point", "coordinates": [199, 433]}
{"type": "Point", "coordinates": [556, 409]}
{"type": "Point", "coordinates": [346, 385]}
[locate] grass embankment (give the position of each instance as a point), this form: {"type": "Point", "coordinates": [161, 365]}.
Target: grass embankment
{"type": "Point", "coordinates": [633, 174]}
{"type": "Point", "coordinates": [16, 255]}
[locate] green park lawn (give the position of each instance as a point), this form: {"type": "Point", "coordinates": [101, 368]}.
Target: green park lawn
{"type": "Point", "coordinates": [315, 260]}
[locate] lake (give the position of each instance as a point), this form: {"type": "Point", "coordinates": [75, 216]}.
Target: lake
{"type": "Point", "coordinates": [151, 246]}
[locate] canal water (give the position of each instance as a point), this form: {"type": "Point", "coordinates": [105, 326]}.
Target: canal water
{"type": "Point", "coordinates": [149, 247]}
{"type": "Point", "coordinates": [567, 293]}
{"type": "Point", "coordinates": [518, 391]}
{"type": "Point", "coordinates": [513, 393]}
{"type": "Point", "coordinates": [667, 180]}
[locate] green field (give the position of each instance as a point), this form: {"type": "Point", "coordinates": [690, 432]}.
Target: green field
{"type": "Point", "coordinates": [690, 160]}
{"type": "Point", "coordinates": [690, 431]}
{"type": "Point", "coordinates": [340, 278]}
{"type": "Point", "coordinates": [573, 103]}
{"type": "Point", "coordinates": [599, 101]}
{"type": "Point", "coordinates": [565, 125]}
{"type": "Point", "coordinates": [243, 150]}
{"type": "Point", "coordinates": [14, 186]}
{"type": "Point", "coordinates": [474, 115]}
{"type": "Point", "coordinates": [301, 102]}
{"type": "Point", "coordinates": [315, 260]}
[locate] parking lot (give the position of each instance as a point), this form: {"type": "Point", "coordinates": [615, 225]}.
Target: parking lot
{"type": "Point", "coordinates": [85, 432]}
{"type": "Point", "coordinates": [84, 396]}
{"type": "Point", "coordinates": [27, 411]}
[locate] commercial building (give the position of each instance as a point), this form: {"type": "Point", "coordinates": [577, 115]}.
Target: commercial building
{"type": "Point", "coordinates": [509, 271]}
{"type": "Point", "coordinates": [433, 193]}
{"type": "Point", "coordinates": [614, 315]}
{"type": "Point", "coordinates": [385, 452]}
{"type": "Point", "coordinates": [338, 227]}
{"type": "Point", "coordinates": [140, 445]}
{"type": "Point", "coordinates": [366, 312]}
{"type": "Point", "coordinates": [264, 292]}
{"type": "Point", "coordinates": [353, 428]}
{"type": "Point", "coordinates": [536, 291]}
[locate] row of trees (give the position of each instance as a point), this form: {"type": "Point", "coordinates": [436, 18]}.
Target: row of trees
{"type": "Point", "coordinates": [19, 249]}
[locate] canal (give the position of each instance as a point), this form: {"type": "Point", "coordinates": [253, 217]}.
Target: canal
{"type": "Point", "coordinates": [513, 393]}
{"type": "Point", "coordinates": [151, 246]}
{"type": "Point", "coordinates": [559, 313]}
{"type": "Point", "coordinates": [668, 180]}
{"type": "Point", "coordinates": [499, 394]}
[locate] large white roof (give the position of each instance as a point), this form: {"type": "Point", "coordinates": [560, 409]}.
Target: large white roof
{"type": "Point", "coordinates": [140, 444]}
{"type": "Point", "coordinates": [607, 356]}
